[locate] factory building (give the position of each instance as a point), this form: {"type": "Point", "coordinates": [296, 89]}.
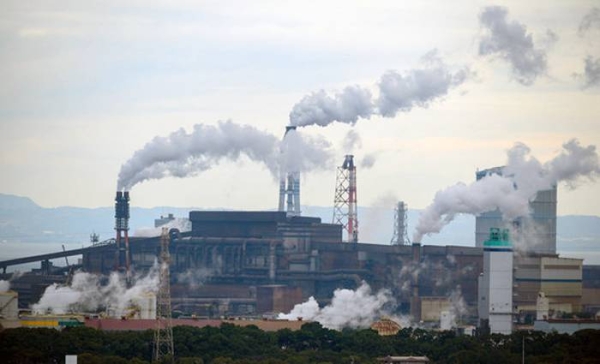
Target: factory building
{"type": "Point", "coordinates": [496, 284]}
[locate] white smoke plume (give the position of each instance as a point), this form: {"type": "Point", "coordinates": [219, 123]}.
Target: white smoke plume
{"type": "Point", "coordinates": [351, 141]}
{"type": "Point", "coordinates": [509, 41]}
{"type": "Point", "coordinates": [4, 285]}
{"type": "Point", "coordinates": [590, 21]}
{"type": "Point", "coordinates": [194, 278]}
{"type": "Point", "coordinates": [183, 154]}
{"type": "Point", "coordinates": [348, 308]}
{"type": "Point", "coordinates": [523, 176]}
{"type": "Point", "coordinates": [418, 87]}
{"type": "Point", "coordinates": [458, 306]}
{"type": "Point", "coordinates": [302, 153]}
{"type": "Point", "coordinates": [87, 294]}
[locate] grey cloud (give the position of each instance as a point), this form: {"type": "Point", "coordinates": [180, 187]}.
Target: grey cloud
{"type": "Point", "coordinates": [591, 72]}
{"type": "Point", "coordinates": [509, 41]}
{"type": "Point", "coordinates": [590, 20]}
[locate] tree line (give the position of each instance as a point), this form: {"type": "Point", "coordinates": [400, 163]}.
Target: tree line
{"type": "Point", "coordinates": [230, 344]}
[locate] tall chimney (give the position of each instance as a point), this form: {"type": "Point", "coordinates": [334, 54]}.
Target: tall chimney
{"type": "Point", "coordinates": [122, 260]}
{"type": "Point", "coordinates": [289, 186]}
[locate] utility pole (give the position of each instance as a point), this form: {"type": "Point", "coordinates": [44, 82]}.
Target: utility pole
{"type": "Point", "coordinates": [163, 333]}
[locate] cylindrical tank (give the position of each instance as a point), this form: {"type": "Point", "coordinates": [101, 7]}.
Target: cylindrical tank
{"type": "Point", "coordinates": [9, 305]}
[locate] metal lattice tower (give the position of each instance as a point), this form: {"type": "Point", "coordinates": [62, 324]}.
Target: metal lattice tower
{"type": "Point", "coordinates": [163, 333]}
{"type": "Point", "coordinates": [344, 201]}
{"type": "Point", "coordinates": [400, 236]}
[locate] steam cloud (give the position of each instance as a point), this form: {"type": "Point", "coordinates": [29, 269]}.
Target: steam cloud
{"type": "Point", "coordinates": [351, 309]}
{"type": "Point", "coordinates": [86, 293]}
{"type": "Point", "coordinates": [499, 192]}
{"type": "Point", "coordinates": [300, 153]}
{"type": "Point", "coordinates": [398, 92]}
{"type": "Point", "coordinates": [183, 154]}
{"type": "Point", "coordinates": [511, 42]}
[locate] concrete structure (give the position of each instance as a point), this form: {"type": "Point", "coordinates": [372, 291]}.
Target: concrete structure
{"type": "Point", "coordinates": [558, 279]}
{"type": "Point", "coordinates": [539, 228]}
{"type": "Point", "coordinates": [163, 220]}
{"type": "Point", "coordinates": [432, 308]}
{"type": "Point", "coordinates": [496, 284]}
{"type": "Point", "coordinates": [277, 298]}
{"type": "Point", "coordinates": [9, 305]}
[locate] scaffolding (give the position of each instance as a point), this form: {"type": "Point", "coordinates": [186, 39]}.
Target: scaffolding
{"type": "Point", "coordinates": [400, 236]}
{"type": "Point", "coordinates": [163, 333]}
{"type": "Point", "coordinates": [344, 201]}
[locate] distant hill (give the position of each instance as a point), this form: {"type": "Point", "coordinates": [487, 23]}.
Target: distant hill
{"type": "Point", "coordinates": [22, 220]}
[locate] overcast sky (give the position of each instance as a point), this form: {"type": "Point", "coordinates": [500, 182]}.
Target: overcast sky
{"type": "Point", "coordinates": [84, 84]}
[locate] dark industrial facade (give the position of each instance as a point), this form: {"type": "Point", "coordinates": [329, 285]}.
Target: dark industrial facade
{"type": "Point", "coordinates": [241, 262]}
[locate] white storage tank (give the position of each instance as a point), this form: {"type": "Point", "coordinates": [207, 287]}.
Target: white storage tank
{"type": "Point", "coordinates": [9, 305]}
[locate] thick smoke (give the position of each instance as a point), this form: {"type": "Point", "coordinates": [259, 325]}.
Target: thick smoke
{"type": "Point", "coordinates": [398, 92]}
{"type": "Point", "coordinates": [183, 154]}
{"type": "Point", "coordinates": [511, 42]}
{"type": "Point", "coordinates": [87, 294]}
{"type": "Point", "coordinates": [351, 309]}
{"type": "Point", "coordinates": [590, 21]}
{"type": "Point", "coordinates": [321, 109]}
{"type": "Point", "coordinates": [523, 176]}
{"type": "Point", "coordinates": [302, 153]}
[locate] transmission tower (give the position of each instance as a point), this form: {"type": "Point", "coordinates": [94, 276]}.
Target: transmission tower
{"type": "Point", "coordinates": [344, 201]}
{"type": "Point", "coordinates": [163, 333]}
{"type": "Point", "coordinates": [400, 236]}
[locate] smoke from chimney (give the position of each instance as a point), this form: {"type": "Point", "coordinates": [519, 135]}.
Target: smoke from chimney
{"type": "Point", "coordinates": [398, 92]}
{"type": "Point", "coordinates": [183, 154]}
{"type": "Point", "coordinates": [522, 177]}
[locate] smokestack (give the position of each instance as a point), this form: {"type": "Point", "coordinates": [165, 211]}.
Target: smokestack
{"type": "Point", "coordinates": [122, 260]}
{"type": "Point", "coordinates": [289, 184]}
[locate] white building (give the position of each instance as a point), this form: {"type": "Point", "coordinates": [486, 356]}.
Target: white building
{"type": "Point", "coordinates": [496, 284]}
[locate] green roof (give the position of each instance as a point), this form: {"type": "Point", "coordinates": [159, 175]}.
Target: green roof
{"type": "Point", "coordinates": [498, 238]}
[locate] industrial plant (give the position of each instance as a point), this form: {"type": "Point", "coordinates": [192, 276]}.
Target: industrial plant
{"type": "Point", "coordinates": [258, 264]}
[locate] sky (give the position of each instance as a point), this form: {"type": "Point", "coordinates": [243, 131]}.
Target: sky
{"type": "Point", "coordinates": [84, 85]}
